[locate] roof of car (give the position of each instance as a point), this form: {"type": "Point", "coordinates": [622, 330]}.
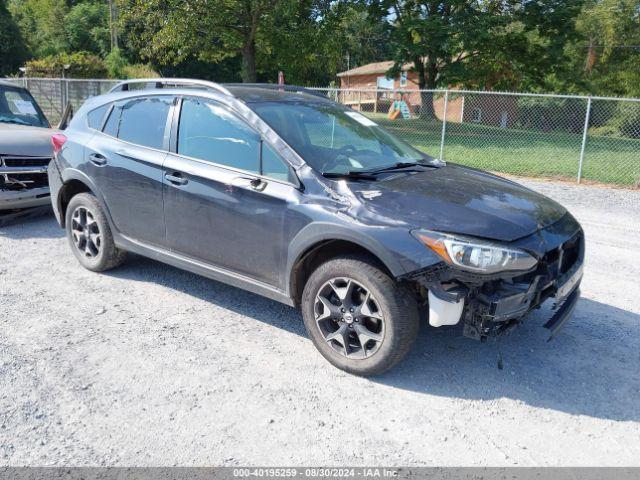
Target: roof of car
{"type": "Point", "coordinates": [273, 93]}
{"type": "Point", "coordinates": [244, 92]}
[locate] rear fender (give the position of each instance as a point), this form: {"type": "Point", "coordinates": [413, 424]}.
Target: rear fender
{"type": "Point", "coordinates": [71, 174]}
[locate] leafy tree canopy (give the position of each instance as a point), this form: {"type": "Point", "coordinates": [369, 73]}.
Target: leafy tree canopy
{"type": "Point", "coordinates": [13, 51]}
{"type": "Point", "coordinates": [580, 46]}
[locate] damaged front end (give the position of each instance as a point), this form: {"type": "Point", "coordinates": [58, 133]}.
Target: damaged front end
{"type": "Point", "coordinates": [23, 182]}
{"type": "Point", "coordinates": [490, 304]}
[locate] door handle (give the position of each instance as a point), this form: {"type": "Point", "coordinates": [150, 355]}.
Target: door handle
{"type": "Point", "coordinates": [97, 159]}
{"type": "Point", "coordinates": [176, 178]}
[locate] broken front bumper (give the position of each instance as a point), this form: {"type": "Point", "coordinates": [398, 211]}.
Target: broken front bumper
{"type": "Point", "coordinates": [27, 198]}
{"type": "Point", "coordinates": [23, 182]}
{"type": "Point", "coordinates": [496, 313]}
{"type": "Point", "coordinates": [489, 305]}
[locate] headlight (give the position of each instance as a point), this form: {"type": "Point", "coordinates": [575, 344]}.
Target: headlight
{"type": "Point", "coordinates": [475, 255]}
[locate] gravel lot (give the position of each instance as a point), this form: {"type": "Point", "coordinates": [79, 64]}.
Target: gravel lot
{"type": "Point", "coordinates": [150, 365]}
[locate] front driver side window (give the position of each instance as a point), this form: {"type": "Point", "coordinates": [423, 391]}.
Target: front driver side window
{"type": "Point", "coordinates": [207, 131]}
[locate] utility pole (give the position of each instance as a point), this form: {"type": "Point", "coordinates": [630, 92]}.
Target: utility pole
{"type": "Point", "coordinates": [113, 28]}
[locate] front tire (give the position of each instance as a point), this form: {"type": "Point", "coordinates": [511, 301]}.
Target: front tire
{"type": "Point", "coordinates": [89, 234]}
{"type": "Point", "coordinates": [358, 317]}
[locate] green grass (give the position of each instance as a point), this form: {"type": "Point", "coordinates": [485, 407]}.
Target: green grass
{"type": "Point", "coordinates": [525, 152]}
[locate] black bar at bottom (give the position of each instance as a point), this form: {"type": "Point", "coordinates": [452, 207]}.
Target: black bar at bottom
{"type": "Point", "coordinates": [559, 319]}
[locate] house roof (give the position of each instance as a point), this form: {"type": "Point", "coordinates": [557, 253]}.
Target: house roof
{"type": "Point", "coordinates": [372, 68]}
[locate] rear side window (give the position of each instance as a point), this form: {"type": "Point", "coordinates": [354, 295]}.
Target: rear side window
{"type": "Point", "coordinates": [143, 121]}
{"type": "Point", "coordinates": [209, 132]}
{"type": "Point", "coordinates": [96, 117]}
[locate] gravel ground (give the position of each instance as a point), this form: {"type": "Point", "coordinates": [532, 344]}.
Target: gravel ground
{"type": "Point", "coordinates": [150, 365]}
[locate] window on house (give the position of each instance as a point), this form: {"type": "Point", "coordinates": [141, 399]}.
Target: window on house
{"type": "Point", "coordinates": [476, 115]}
{"type": "Point", "coordinates": [403, 79]}
{"type": "Point", "coordinates": [385, 83]}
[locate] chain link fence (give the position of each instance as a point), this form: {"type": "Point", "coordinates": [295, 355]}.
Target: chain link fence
{"type": "Point", "coordinates": [552, 136]}
{"type": "Point", "coordinates": [53, 94]}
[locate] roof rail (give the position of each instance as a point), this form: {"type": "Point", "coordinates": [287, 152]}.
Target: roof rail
{"type": "Point", "coordinates": [275, 86]}
{"type": "Point", "coordinates": [170, 82]}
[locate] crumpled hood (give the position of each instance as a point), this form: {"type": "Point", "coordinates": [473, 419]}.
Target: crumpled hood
{"type": "Point", "coordinates": [459, 200]}
{"type": "Point", "coordinates": [25, 141]}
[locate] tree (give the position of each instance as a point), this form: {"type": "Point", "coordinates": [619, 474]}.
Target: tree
{"type": "Point", "coordinates": [294, 39]}
{"type": "Point", "coordinates": [87, 27]}
{"type": "Point", "coordinates": [477, 43]}
{"type": "Point", "coordinates": [438, 38]}
{"type": "Point", "coordinates": [12, 48]}
{"type": "Point", "coordinates": [311, 40]}
{"type": "Point", "coordinates": [608, 52]}
{"type": "Point", "coordinates": [171, 31]}
{"type": "Point", "coordinates": [356, 36]}
{"type": "Point", "coordinates": [42, 25]}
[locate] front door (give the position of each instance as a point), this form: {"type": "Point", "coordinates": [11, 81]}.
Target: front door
{"type": "Point", "coordinates": [221, 207]}
{"type": "Point", "coordinates": [126, 164]}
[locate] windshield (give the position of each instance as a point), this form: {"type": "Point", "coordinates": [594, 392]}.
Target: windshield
{"type": "Point", "coordinates": [17, 106]}
{"type": "Point", "coordinates": [332, 139]}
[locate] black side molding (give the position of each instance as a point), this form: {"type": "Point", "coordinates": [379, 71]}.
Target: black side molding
{"type": "Point", "coordinates": [562, 315]}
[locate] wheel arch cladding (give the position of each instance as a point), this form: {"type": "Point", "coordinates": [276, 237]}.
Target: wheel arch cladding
{"type": "Point", "coordinates": [74, 182]}
{"type": "Point", "coordinates": [306, 255]}
{"type": "Point", "coordinates": [69, 190]}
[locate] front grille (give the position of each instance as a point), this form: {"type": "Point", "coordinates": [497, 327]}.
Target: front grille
{"type": "Point", "coordinates": [560, 260]}
{"type": "Point", "coordinates": [23, 181]}
{"type": "Point", "coordinates": [570, 253]}
{"type": "Point", "coordinates": [25, 161]}
{"type": "Point", "coordinates": [556, 262]}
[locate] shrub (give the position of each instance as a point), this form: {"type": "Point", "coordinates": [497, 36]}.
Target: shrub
{"type": "Point", "coordinates": [74, 65]}
{"type": "Point", "coordinates": [623, 121]}
{"type": "Point", "coordinates": [115, 64]}
{"type": "Point", "coordinates": [139, 70]}
{"type": "Point", "coordinates": [546, 114]}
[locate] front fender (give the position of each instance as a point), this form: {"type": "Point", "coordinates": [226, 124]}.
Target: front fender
{"type": "Point", "coordinates": [395, 247]}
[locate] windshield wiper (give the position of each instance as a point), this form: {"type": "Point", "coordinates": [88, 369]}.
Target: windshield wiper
{"type": "Point", "coordinates": [398, 166]}
{"type": "Point", "coordinates": [356, 175]}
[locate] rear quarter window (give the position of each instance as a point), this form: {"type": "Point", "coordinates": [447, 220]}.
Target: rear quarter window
{"type": "Point", "coordinates": [95, 118]}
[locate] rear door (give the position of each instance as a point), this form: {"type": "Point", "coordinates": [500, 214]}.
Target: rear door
{"type": "Point", "coordinates": [125, 161]}
{"type": "Point", "coordinates": [221, 206]}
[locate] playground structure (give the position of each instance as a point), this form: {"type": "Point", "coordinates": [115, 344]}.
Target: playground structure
{"type": "Point", "coordinates": [400, 108]}
{"type": "Point", "coordinates": [378, 100]}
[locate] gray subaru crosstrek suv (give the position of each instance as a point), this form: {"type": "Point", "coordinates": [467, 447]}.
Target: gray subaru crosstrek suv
{"type": "Point", "coordinates": [25, 150]}
{"type": "Point", "coordinates": [298, 198]}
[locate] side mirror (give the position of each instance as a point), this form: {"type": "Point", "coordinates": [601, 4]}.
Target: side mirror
{"type": "Point", "coordinates": [67, 115]}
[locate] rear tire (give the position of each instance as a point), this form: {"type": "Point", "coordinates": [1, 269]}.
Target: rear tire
{"type": "Point", "coordinates": [358, 317]}
{"type": "Point", "coordinates": [89, 234]}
